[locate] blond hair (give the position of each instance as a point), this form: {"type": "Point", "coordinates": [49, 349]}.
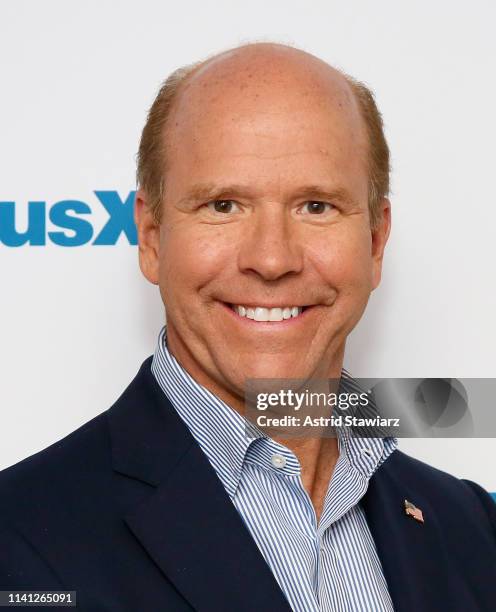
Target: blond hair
{"type": "Point", "coordinates": [152, 160]}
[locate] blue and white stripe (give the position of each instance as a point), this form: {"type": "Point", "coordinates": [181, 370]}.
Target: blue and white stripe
{"type": "Point", "coordinates": [331, 565]}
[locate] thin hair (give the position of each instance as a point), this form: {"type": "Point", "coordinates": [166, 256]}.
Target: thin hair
{"type": "Point", "coordinates": [152, 158]}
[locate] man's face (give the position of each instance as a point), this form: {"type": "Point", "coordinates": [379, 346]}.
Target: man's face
{"type": "Point", "coordinates": [265, 209]}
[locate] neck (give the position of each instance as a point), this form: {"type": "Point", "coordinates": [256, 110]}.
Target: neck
{"type": "Point", "coordinates": [317, 457]}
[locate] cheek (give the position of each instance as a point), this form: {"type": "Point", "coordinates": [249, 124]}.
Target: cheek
{"type": "Point", "coordinates": [344, 260]}
{"type": "Point", "coordinates": [191, 257]}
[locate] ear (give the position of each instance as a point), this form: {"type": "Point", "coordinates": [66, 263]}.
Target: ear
{"type": "Point", "coordinates": [380, 236]}
{"type": "Point", "coordinates": [148, 237]}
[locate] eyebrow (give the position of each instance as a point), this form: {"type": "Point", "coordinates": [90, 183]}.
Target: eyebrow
{"type": "Point", "coordinates": [210, 191]}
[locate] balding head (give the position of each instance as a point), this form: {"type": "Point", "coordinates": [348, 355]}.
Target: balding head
{"type": "Point", "coordinates": [259, 70]}
{"type": "Point", "coordinates": [263, 80]}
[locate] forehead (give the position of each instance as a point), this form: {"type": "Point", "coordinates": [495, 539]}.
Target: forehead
{"type": "Point", "coordinates": [267, 104]}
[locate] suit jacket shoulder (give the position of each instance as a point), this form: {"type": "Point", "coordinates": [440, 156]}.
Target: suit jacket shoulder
{"type": "Point", "coordinates": [40, 493]}
{"type": "Point", "coordinates": [50, 472]}
{"type": "Point", "coordinates": [449, 560]}
{"type": "Point", "coordinates": [447, 490]}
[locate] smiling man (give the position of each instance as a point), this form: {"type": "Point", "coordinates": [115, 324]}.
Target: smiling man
{"type": "Point", "coordinates": [262, 214]}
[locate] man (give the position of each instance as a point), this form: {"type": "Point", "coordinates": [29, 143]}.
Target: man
{"type": "Point", "coordinates": [262, 215]}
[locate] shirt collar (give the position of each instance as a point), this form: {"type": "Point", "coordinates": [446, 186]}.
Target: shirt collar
{"type": "Point", "coordinates": [228, 439]}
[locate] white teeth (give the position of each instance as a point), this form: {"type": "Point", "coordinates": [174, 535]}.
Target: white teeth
{"type": "Point", "coordinates": [261, 314]}
{"type": "Point", "coordinates": [268, 314]}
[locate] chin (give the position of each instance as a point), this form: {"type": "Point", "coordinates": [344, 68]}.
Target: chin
{"type": "Point", "coordinates": [271, 368]}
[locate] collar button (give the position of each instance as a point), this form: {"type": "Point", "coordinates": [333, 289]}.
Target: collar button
{"type": "Point", "coordinates": [278, 461]}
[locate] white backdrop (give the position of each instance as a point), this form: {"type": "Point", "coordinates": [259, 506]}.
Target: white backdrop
{"type": "Point", "coordinates": [77, 79]}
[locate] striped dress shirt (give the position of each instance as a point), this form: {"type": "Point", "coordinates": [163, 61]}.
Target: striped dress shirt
{"type": "Point", "coordinates": [329, 565]}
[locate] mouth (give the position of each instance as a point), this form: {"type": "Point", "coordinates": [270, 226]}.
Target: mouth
{"type": "Point", "coordinates": [266, 314]}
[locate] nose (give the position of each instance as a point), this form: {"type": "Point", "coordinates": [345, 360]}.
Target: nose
{"type": "Point", "coordinates": [270, 247]}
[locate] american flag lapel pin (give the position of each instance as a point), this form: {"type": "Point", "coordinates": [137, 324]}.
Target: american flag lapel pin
{"type": "Point", "coordinates": [413, 511]}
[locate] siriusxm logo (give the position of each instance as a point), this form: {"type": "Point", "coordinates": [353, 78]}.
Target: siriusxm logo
{"type": "Point", "coordinates": [70, 219]}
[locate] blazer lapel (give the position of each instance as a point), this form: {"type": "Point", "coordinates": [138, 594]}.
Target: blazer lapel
{"type": "Point", "coordinates": [187, 524]}
{"type": "Point", "coordinates": [420, 573]}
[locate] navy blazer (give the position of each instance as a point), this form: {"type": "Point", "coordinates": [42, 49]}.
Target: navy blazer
{"type": "Point", "coordinates": [128, 512]}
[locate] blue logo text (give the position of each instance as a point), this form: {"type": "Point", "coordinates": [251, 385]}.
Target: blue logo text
{"type": "Point", "coordinates": [70, 216]}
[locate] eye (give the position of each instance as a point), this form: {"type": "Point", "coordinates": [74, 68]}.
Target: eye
{"type": "Point", "coordinates": [222, 206]}
{"type": "Point", "coordinates": [315, 207]}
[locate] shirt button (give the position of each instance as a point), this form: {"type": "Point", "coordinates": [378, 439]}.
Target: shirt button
{"type": "Point", "coordinates": [367, 452]}
{"type": "Point", "coordinates": [278, 461]}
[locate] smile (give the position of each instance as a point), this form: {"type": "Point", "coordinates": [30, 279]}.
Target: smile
{"type": "Point", "coordinates": [261, 313]}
